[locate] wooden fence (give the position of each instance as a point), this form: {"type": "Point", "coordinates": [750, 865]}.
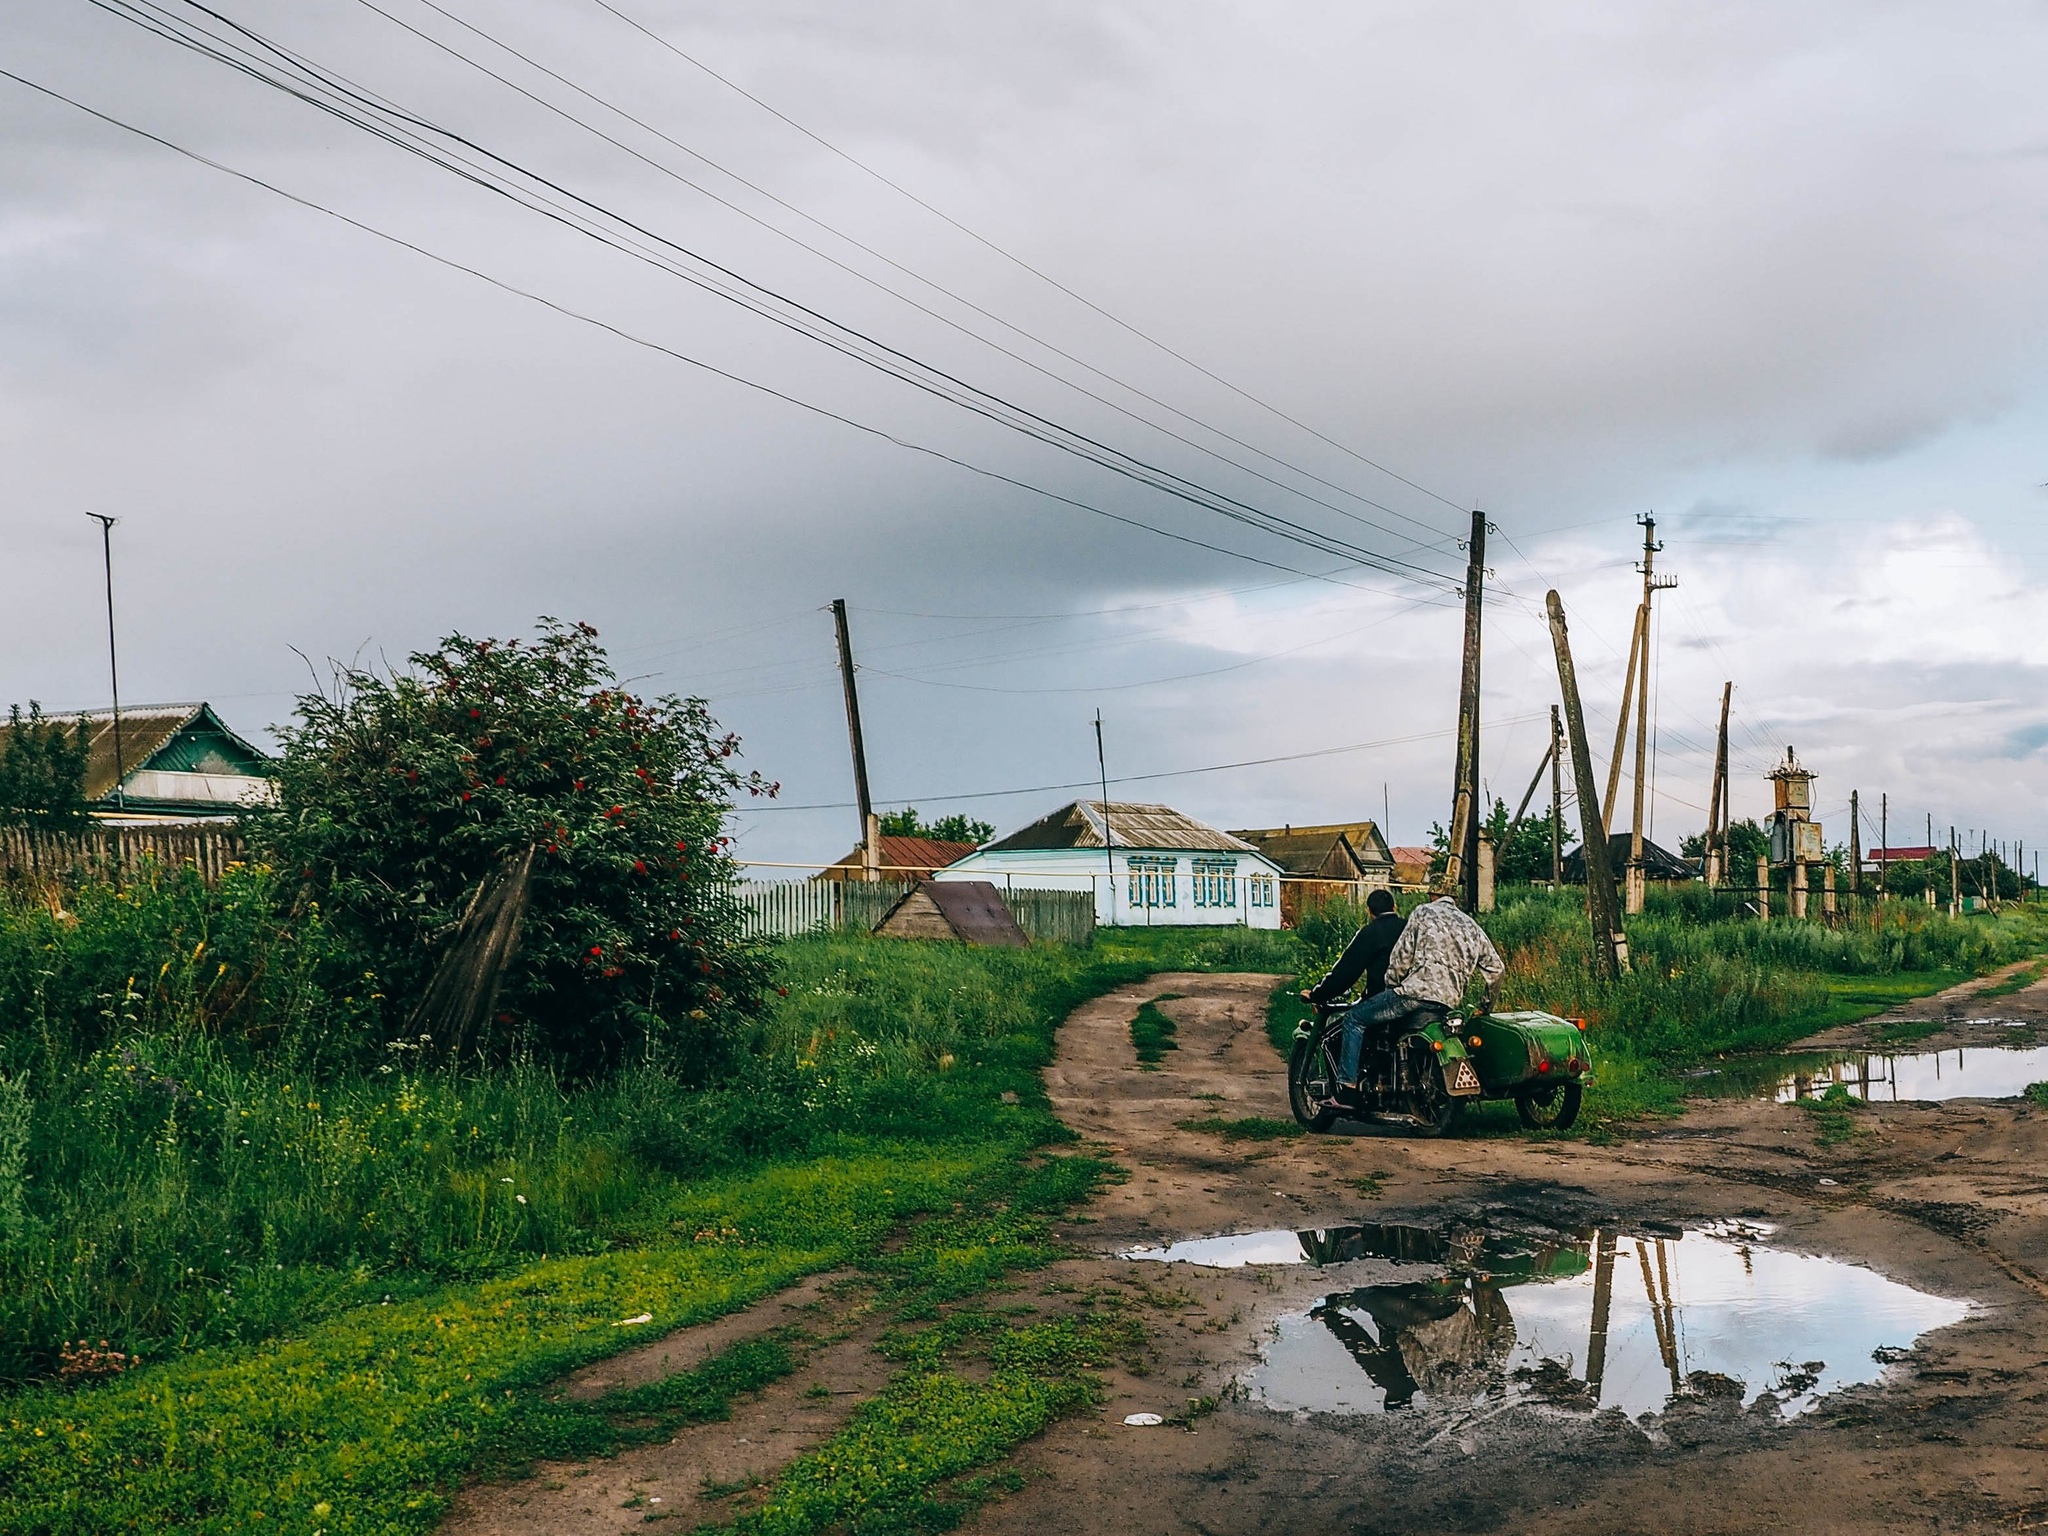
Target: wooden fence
{"type": "Point", "coordinates": [116, 853]}
{"type": "Point", "coordinates": [1053, 917]}
{"type": "Point", "coordinates": [789, 908]}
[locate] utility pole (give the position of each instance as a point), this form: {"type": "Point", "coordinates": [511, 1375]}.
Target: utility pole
{"type": "Point", "coordinates": [1884, 839]}
{"type": "Point", "coordinates": [1556, 800]}
{"type": "Point", "coordinates": [1610, 945]}
{"type": "Point", "coordinates": [1652, 585]}
{"type": "Point", "coordinates": [870, 828]}
{"type": "Point", "coordinates": [113, 656]}
{"type": "Point", "coordinates": [1855, 845]}
{"type": "Point", "coordinates": [1717, 801]}
{"type": "Point", "coordinates": [1108, 842]}
{"type": "Point", "coordinates": [1461, 869]}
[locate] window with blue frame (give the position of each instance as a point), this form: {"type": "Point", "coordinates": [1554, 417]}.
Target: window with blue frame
{"type": "Point", "coordinates": [1215, 882]}
{"type": "Point", "coordinates": [1152, 880]}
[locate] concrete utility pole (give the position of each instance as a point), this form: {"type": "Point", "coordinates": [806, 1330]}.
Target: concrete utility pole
{"type": "Point", "coordinates": [113, 656]}
{"type": "Point", "coordinates": [1461, 869]}
{"type": "Point", "coordinates": [1610, 944]}
{"type": "Point", "coordinates": [870, 827]}
{"type": "Point", "coordinates": [1556, 800]}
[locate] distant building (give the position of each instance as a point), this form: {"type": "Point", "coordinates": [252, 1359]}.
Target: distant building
{"type": "Point", "coordinates": [176, 761]}
{"type": "Point", "coordinates": [1875, 859]}
{"type": "Point", "coordinates": [1350, 851]}
{"type": "Point", "coordinates": [1658, 863]}
{"type": "Point", "coordinates": [900, 858]}
{"type": "Point", "coordinates": [1411, 865]}
{"type": "Point", "coordinates": [1148, 865]}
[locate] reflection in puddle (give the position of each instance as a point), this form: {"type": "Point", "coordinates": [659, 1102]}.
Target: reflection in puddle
{"type": "Point", "coordinates": [1969, 1072]}
{"type": "Point", "coordinates": [1606, 1321]}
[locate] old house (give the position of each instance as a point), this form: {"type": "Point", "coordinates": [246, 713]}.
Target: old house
{"type": "Point", "coordinates": [899, 859]}
{"type": "Point", "coordinates": [173, 762]}
{"type": "Point", "coordinates": [1148, 865]}
{"type": "Point", "coordinates": [1344, 859]}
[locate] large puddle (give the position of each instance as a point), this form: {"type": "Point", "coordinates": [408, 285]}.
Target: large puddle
{"type": "Point", "coordinates": [1609, 1320]}
{"type": "Point", "coordinates": [1967, 1072]}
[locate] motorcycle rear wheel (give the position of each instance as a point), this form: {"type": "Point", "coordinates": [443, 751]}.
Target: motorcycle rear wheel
{"type": "Point", "coordinates": [1436, 1112]}
{"type": "Point", "coordinates": [1310, 1084]}
{"type": "Point", "coordinates": [1551, 1107]}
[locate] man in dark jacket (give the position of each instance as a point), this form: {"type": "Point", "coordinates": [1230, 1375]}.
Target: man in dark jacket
{"type": "Point", "coordinates": [1366, 954]}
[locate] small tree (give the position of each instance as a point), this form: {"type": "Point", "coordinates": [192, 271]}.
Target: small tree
{"type": "Point", "coordinates": [42, 772]}
{"type": "Point", "coordinates": [947, 829]}
{"type": "Point", "coordinates": [398, 796]}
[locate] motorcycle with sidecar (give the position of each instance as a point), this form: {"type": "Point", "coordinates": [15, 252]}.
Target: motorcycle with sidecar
{"type": "Point", "coordinates": [1422, 1071]}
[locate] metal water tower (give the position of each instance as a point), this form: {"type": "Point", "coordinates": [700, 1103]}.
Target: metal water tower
{"type": "Point", "coordinates": [1795, 836]}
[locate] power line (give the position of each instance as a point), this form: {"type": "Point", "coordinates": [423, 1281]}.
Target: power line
{"type": "Point", "coordinates": [1133, 778]}
{"type": "Point", "coordinates": [1333, 577]}
{"type": "Point", "coordinates": [1018, 261]}
{"type": "Point", "coordinates": [1440, 536]}
{"type": "Point", "coordinates": [352, 104]}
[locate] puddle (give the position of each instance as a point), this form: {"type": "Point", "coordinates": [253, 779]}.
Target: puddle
{"type": "Point", "coordinates": [1605, 1321]}
{"type": "Point", "coordinates": [1968, 1072]}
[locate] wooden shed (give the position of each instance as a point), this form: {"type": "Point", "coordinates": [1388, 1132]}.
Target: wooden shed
{"type": "Point", "coordinates": [970, 911]}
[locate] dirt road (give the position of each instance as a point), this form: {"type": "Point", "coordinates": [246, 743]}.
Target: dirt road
{"type": "Point", "coordinates": [1949, 1199]}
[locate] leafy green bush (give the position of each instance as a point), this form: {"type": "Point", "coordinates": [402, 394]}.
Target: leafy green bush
{"type": "Point", "coordinates": [399, 795]}
{"type": "Point", "coordinates": [42, 772]}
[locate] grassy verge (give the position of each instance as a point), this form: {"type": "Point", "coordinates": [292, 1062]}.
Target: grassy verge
{"type": "Point", "coordinates": [895, 1083]}
{"type": "Point", "coordinates": [1152, 1033]}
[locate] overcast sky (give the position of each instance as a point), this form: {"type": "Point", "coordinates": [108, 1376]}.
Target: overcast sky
{"type": "Point", "coordinates": [1772, 273]}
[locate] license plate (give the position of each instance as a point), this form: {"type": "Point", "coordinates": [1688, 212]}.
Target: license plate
{"type": "Point", "coordinates": [1463, 1079]}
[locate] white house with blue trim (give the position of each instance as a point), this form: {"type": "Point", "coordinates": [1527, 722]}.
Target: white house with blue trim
{"type": "Point", "coordinates": [1148, 865]}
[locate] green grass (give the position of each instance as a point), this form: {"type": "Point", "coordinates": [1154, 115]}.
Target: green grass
{"type": "Point", "coordinates": [892, 1119]}
{"type": "Point", "coordinates": [1152, 1034]}
{"type": "Point", "coordinates": [2018, 981]}
{"type": "Point", "coordinates": [2037, 1093]}
{"type": "Point", "coordinates": [1250, 1128]}
{"type": "Point", "coordinates": [1833, 1114]}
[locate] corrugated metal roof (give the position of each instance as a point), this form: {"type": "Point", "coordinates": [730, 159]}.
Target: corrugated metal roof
{"type": "Point", "coordinates": [145, 730]}
{"type": "Point", "coordinates": [1129, 825]}
{"type": "Point", "coordinates": [905, 855]}
{"type": "Point", "coordinates": [1331, 851]}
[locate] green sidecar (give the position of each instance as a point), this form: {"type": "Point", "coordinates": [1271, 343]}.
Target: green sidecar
{"type": "Point", "coordinates": [1437, 1063]}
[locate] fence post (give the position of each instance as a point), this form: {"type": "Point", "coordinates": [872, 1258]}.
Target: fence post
{"type": "Point", "coordinates": [1763, 888]}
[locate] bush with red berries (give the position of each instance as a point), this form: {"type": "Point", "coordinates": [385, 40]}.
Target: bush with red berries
{"type": "Point", "coordinates": [399, 795]}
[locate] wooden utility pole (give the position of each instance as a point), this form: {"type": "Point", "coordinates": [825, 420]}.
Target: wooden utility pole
{"type": "Point", "coordinates": [1108, 837]}
{"type": "Point", "coordinates": [1461, 869]}
{"type": "Point", "coordinates": [1628, 693]}
{"type": "Point", "coordinates": [1855, 844]}
{"type": "Point", "coordinates": [1884, 838]}
{"type": "Point", "coordinates": [1610, 945]}
{"type": "Point", "coordinates": [1556, 800]}
{"type": "Point", "coordinates": [870, 828]}
{"type": "Point", "coordinates": [1717, 801]}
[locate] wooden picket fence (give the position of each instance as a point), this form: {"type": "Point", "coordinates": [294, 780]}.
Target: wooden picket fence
{"type": "Point", "coordinates": [791, 908]}
{"type": "Point", "coordinates": [117, 854]}
{"type": "Point", "coordinates": [1053, 917]}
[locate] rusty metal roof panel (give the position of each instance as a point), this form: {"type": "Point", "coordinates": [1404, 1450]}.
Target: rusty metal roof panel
{"type": "Point", "coordinates": [975, 910]}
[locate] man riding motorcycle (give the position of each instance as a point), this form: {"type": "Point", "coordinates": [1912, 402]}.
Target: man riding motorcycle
{"type": "Point", "coordinates": [1429, 966]}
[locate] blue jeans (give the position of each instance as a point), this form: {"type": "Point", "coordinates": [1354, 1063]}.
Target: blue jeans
{"type": "Point", "coordinates": [1381, 1008]}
